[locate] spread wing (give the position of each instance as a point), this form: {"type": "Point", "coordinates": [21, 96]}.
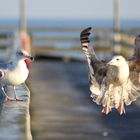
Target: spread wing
{"type": "Point", "coordinates": [134, 66]}
{"type": "Point", "coordinates": [96, 68]}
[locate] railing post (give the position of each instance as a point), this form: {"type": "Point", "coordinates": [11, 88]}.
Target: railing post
{"type": "Point", "coordinates": [116, 35]}
{"type": "Point", "coordinates": [25, 38]}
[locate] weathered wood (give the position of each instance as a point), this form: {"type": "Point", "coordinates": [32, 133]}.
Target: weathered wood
{"type": "Point", "coordinates": [61, 107]}
{"type": "Point", "coordinates": [15, 116]}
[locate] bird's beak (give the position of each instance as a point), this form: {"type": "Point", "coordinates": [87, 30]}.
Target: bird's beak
{"type": "Point", "coordinates": [29, 57]}
{"type": "Point", "coordinates": [110, 62]}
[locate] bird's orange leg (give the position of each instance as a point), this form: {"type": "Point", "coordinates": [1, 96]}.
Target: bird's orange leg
{"type": "Point", "coordinates": [7, 98]}
{"type": "Point", "coordinates": [106, 109]}
{"type": "Point", "coordinates": [121, 108]}
{"type": "Point", "coordinates": [16, 98]}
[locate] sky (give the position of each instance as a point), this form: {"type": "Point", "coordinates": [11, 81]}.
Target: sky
{"type": "Point", "coordinates": [70, 9]}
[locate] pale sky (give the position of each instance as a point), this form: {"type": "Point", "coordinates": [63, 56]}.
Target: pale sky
{"type": "Point", "coordinates": [70, 9]}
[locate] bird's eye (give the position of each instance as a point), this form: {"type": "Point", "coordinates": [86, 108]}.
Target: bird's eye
{"type": "Point", "coordinates": [117, 59]}
{"type": "Point", "coordinates": [20, 53]}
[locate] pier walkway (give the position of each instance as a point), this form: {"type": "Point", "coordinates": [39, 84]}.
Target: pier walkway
{"type": "Point", "coordinates": [61, 107]}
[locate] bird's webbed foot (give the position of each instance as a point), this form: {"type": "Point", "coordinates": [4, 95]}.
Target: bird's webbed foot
{"type": "Point", "coordinates": [7, 99]}
{"type": "Point", "coordinates": [18, 99]}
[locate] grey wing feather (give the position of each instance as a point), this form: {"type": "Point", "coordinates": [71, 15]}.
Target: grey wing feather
{"type": "Point", "coordinates": [96, 68]}
{"type": "Point", "coordinates": [134, 78]}
{"type": "Point", "coordinates": [134, 63]}
{"type": "Point", "coordinates": [137, 48]}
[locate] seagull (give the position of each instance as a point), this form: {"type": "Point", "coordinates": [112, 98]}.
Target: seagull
{"type": "Point", "coordinates": [14, 73]}
{"type": "Point", "coordinates": [115, 83]}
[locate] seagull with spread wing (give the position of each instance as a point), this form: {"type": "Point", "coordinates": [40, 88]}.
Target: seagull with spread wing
{"type": "Point", "coordinates": [116, 83]}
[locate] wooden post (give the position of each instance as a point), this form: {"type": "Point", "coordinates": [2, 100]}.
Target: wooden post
{"type": "Point", "coordinates": [25, 38]}
{"type": "Point", "coordinates": [117, 15]}
{"type": "Point", "coordinates": [117, 37]}
{"type": "Point", "coordinates": [22, 25]}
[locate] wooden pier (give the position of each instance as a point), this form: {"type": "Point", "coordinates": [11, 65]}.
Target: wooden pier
{"type": "Point", "coordinates": [61, 107]}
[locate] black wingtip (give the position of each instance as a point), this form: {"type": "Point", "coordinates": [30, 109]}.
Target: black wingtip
{"type": "Point", "coordinates": [84, 36]}
{"type": "Point", "coordinates": [87, 30]}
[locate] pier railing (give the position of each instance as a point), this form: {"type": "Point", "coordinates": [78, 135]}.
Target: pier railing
{"type": "Point", "coordinates": [64, 41]}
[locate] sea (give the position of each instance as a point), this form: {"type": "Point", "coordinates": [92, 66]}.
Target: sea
{"type": "Point", "coordinates": [72, 23]}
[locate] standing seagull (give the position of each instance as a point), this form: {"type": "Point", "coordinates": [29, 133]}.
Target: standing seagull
{"type": "Point", "coordinates": [116, 83]}
{"type": "Point", "coordinates": [14, 73]}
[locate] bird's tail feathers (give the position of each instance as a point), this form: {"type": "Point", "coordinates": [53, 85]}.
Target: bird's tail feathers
{"type": "Point", "coordinates": [99, 93]}
{"type": "Point", "coordinates": [116, 95]}
{"type": "Point", "coordinates": [132, 92]}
